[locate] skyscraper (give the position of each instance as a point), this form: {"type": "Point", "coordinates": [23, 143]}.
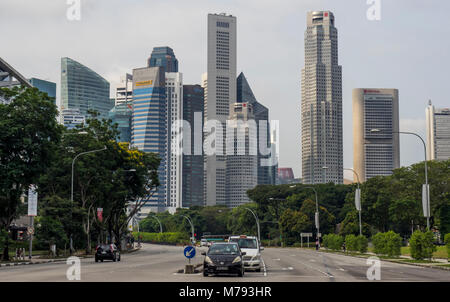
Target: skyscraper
{"type": "Point", "coordinates": [221, 94]}
{"type": "Point", "coordinates": [375, 153]}
{"type": "Point", "coordinates": [149, 124]}
{"type": "Point", "coordinates": [321, 108]}
{"type": "Point", "coordinates": [83, 89]}
{"type": "Point", "coordinates": [174, 99]}
{"type": "Point", "coordinates": [163, 57]}
{"type": "Point", "coordinates": [242, 162]}
{"type": "Point", "coordinates": [121, 115]}
{"type": "Point", "coordinates": [193, 178]}
{"type": "Point", "coordinates": [45, 86]}
{"type": "Point", "coordinates": [124, 91]}
{"type": "Point", "coordinates": [438, 133]}
{"type": "Point", "coordinates": [266, 173]}
{"type": "Point", "coordinates": [71, 118]}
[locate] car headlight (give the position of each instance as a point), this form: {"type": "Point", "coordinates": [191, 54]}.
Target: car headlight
{"type": "Point", "coordinates": [237, 259]}
{"type": "Point", "coordinates": [208, 260]}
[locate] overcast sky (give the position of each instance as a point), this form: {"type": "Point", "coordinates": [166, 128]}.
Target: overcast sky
{"type": "Point", "coordinates": [407, 49]}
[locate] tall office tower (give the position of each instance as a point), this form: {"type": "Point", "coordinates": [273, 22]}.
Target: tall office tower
{"type": "Point", "coordinates": [121, 115]}
{"type": "Point", "coordinates": [375, 153]}
{"type": "Point", "coordinates": [438, 133]}
{"type": "Point", "coordinates": [174, 97]}
{"type": "Point", "coordinates": [266, 173]}
{"type": "Point", "coordinates": [84, 89]}
{"type": "Point", "coordinates": [321, 102]}
{"type": "Point", "coordinates": [71, 118]}
{"type": "Point", "coordinates": [193, 178]}
{"type": "Point", "coordinates": [221, 94]}
{"type": "Point", "coordinates": [163, 57]}
{"type": "Point", "coordinates": [149, 124]}
{"type": "Point", "coordinates": [124, 91]}
{"type": "Point", "coordinates": [45, 86]}
{"type": "Point", "coordinates": [242, 162]}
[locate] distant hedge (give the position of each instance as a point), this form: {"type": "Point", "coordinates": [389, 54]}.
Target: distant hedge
{"type": "Point", "coordinates": [163, 238]}
{"type": "Point", "coordinates": [447, 244]}
{"type": "Point", "coordinates": [333, 242]}
{"type": "Point", "coordinates": [388, 243]}
{"type": "Point", "coordinates": [421, 245]}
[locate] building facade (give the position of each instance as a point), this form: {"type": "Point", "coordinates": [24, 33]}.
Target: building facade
{"type": "Point", "coordinates": [71, 118]}
{"type": "Point", "coordinates": [121, 115]}
{"type": "Point", "coordinates": [193, 177]}
{"type": "Point", "coordinates": [83, 89]}
{"type": "Point", "coordinates": [163, 57]}
{"type": "Point", "coordinates": [124, 91]}
{"type": "Point", "coordinates": [174, 96]}
{"type": "Point", "coordinates": [266, 173]}
{"type": "Point", "coordinates": [321, 107]}
{"type": "Point", "coordinates": [438, 133]}
{"type": "Point", "coordinates": [45, 86]}
{"type": "Point", "coordinates": [149, 125]}
{"type": "Point", "coordinates": [220, 95]}
{"type": "Point", "coordinates": [242, 156]}
{"type": "Point", "coordinates": [375, 153]}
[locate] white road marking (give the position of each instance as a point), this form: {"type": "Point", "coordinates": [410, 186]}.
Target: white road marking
{"type": "Point", "coordinates": [264, 267]}
{"type": "Point", "coordinates": [278, 259]}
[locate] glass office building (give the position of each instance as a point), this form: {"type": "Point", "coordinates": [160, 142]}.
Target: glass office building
{"type": "Point", "coordinates": [45, 86]}
{"type": "Point", "coordinates": [163, 57]}
{"type": "Point", "coordinates": [84, 89]}
{"type": "Point", "coordinates": [121, 115]}
{"type": "Point", "coordinates": [193, 178]}
{"type": "Point", "coordinates": [149, 123]}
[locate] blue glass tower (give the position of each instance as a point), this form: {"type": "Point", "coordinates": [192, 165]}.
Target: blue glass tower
{"type": "Point", "coordinates": [45, 86]}
{"type": "Point", "coordinates": [163, 57]}
{"type": "Point", "coordinates": [149, 122]}
{"type": "Point", "coordinates": [121, 115]}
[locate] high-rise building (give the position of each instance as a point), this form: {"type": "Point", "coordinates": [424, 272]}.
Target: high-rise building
{"type": "Point", "coordinates": [121, 115]}
{"type": "Point", "coordinates": [321, 109]}
{"type": "Point", "coordinates": [438, 133]}
{"type": "Point", "coordinates": [375, 153]}
{"type": "Point", "coordinates": [71, 118]}
{"type": "Point", "coordinates": [220, 95]}
{"type": "Point", "coordinates": [174, 97]}
{"type": "Point", "coordinates": [149, 124]}
{"type": "Point", "coordinates": [83, 89]}
{"type": "Point", "coordinates": [266, 173]}
{"type": "Point", "coordinates": [45, 86]}
{"type": "Point", "coordinates": [193, 178]}
{"type": "Point", "coordinates": [242, 161]}
{"type": "Point", "coordinates": [163, 57]}
{"type": "Point", "coordinates": [124, 91]}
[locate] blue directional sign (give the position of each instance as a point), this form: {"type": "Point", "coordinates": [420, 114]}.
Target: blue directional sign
{"type": "Point", "coordinates": [189, 252]}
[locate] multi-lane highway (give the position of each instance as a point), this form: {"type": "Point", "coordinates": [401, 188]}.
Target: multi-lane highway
{"type": "Point", "coordinates": [160, 263]}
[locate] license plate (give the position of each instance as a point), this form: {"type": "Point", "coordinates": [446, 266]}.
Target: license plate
{"type": "Point", "coordinates": [103, 252]}
{"type": "Point", "coordinates": [222, 268]}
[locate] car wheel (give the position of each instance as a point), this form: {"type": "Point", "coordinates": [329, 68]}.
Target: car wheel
{"type": "Point", "coordinates": [96, 259]}
{"type": "Point", "coordinates": [119, 258]}
{"type": "Point", "coordinates": [258, 270]}
{"type": "Point", "coordinates": [205, 274]}
{"type": "Point", "coordinates": [101, 260]}
{"type": "Point", "coordinates": [114, 258]}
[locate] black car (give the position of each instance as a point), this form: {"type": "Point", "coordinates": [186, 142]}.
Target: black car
{"type": "Point", "coordinates": [223, 258]}
{"type": "Point", "coordinates": [107, 251]}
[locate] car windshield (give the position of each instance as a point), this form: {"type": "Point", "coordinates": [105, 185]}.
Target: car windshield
{"type": "Point", "coordinates": [223, 249]}
{"type": "Point", "coordinates": [247, 243]}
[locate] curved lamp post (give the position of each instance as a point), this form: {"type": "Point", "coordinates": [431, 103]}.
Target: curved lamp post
{"type": "Point", "coordinates": [192, 227]}
{"type": "Point", "coordinates": [427, 193]}
{"type": "Point", "coordinates": [257, 224]}
{"type": "Point", "coordinates": [360, 208]}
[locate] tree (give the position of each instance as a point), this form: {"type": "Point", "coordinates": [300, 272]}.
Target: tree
{"type": "Point", "coordinates": [292, 223]}
{"type": "Point", "coordinates": [28, 134]}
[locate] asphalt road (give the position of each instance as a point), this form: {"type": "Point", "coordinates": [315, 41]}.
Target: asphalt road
{"type": "Point", "coordinates": [158, 263]}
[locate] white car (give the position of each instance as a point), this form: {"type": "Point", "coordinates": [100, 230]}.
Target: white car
{"type": "Point", "coordinates": [203, 242]}
{"type": "Point", "coordinates": [252, 249]}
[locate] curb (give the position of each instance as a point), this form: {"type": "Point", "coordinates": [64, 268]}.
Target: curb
{"type": "Point", "coordinates": [435, 266]}
{"type": "Point", "coordinates": [39, 262]}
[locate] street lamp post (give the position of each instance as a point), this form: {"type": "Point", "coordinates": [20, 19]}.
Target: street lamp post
{"type": "Point", "coordinates": [159, 221]}
{"type": "Point", "coordinates": [71, 190]}
{"type": "Point", "coordinates": [257, 224]}
{"type": "Point", "coordinates": [192, 227]}
{"type": "Point", "coordinates": [427, 193]}
{"type": "Point", "coordinates": [359, 210]}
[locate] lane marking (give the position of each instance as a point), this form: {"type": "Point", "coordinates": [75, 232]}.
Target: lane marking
{"type": "Point", "coordinates": [264, 266]}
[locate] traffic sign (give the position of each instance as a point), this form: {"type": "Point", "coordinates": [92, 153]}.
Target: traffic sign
{"type": "Point", "coordinates": [30, 230]}
{"type": "Point", "coordinates": [306, 234]}
{"type": "Point", "coordinates": [189, 252]}
{"type": "Point", "coordinates": [32, 201]}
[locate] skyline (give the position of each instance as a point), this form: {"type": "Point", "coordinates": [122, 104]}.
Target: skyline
{"type": "Point", "coordinates": [419, 75]}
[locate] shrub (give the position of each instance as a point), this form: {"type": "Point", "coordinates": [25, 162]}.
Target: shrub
{"type": "Point", "coordinates": [333, 241]}
{"type": "Point", "coordinates": [388, 243]}
{"type": "Point", "coordinates": [421, 245]}
{"type": "Point", "coordinates": [447, 244]}
{"type": "Point", "coordinates": [165, 238]}
{"type": "Point", "coordinates": [351, 243]}
{"type": "Point", "coordinates": [362, 243]}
